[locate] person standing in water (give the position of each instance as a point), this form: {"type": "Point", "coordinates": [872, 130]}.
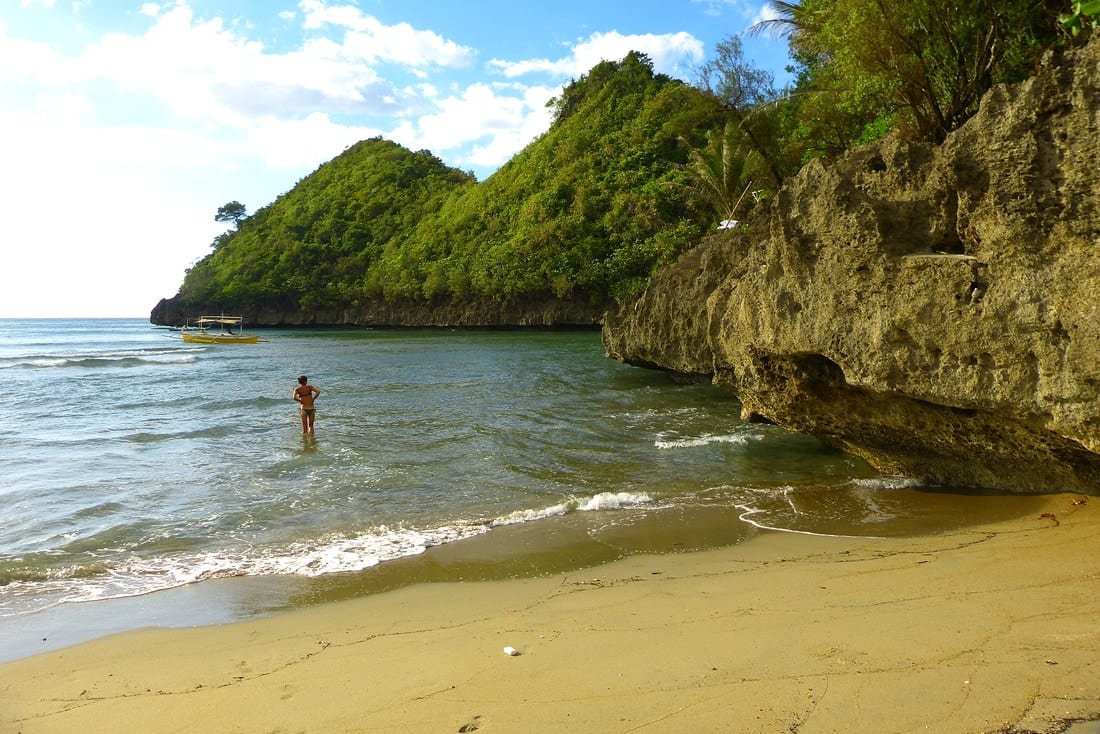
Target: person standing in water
{"type": "Point", "coordinates": [305, 394]}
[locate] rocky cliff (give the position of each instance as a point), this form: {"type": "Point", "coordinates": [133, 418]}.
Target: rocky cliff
{"type": "Point", "coordinates": [485, 314]}
{"type": "Point", "coordinates": [933, 309]}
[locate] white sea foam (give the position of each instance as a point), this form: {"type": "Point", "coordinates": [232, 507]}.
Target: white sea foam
{"type": "Point", "coordinates": [666, 441]}
{"type": "Point", "coordinates": [613, 501]}
{"type": "Point", "coordinates": [601, 501]}
{"type": "Point", "coordinates": [747, 516]}
{"type": "Point", "coordinates": [888, 483]}
{"type": "Point", "coordinates": [146, 356]}
{"type": "Point", "coordinates": [521, 516]}
{"type": "Point", "coordinates": [336, 553]}
{"type": "Point", "coordinates": [327, 555]}
{"type": "Point", "coordinates": [169, 358]}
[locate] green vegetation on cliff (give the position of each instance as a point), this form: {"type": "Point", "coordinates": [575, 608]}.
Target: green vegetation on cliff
{"type": "Point", "coordinates": [635, 168]}
{"type": "Point", "coordinates": [313, 246]}
{"type": "Point", "coordinates": [868, 66]}
{"type": "Point", "coordinates": [585, 213]}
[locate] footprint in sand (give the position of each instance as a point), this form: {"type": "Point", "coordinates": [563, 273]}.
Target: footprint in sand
{"type": "Point", "coordinates": [471, 725]}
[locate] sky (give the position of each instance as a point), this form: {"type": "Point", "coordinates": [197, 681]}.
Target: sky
{"type": "Point", "coordinates": [124, 126]}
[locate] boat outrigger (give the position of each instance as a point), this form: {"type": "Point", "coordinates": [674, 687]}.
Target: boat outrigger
{"type": "Point", "coordinates": [218, 330]}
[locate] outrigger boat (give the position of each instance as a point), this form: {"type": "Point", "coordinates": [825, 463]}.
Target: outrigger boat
{"type": "Point", "coordinates": [218, 330]}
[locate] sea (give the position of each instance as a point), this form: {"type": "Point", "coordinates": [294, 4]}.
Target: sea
{"type": "Point", "coordinates": [145, 481]}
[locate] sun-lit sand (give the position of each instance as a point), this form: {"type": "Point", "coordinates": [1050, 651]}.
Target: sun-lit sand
{"type": "Point", "coordinates": [989, 629]}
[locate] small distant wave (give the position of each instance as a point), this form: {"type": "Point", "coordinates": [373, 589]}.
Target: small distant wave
{"type": "Point", "coordinates": [126, 358]}
{"type": "Point", "coordinates": [601, 501]}
{"type": "Point", "coordinates": [669, 441]}
{"type": "Point", "coordinates": [149, 437]}
{"type": "Point", "coordinates": [13, 577]}
{"type": "Point", "coordinates": [29, 590]}
{"type": "Point", "coordinates": [246, 403]}
{"type": "Point", "coordinates": [650, 415]}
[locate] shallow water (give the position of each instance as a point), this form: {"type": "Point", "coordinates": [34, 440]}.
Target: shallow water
{"type": "Point", "coordinates": [143, 464]}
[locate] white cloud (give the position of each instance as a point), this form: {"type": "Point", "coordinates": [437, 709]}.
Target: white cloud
{"type": "Point", "coordinates": [502, 146]}
{"type": "Point", "coordinates": [370, 40]}
{"type": "Point", "coordinates": [176, 62]}
{"type": "Point", "coordinates": [75, 109]}
{"type": "Point", "coordinates": [302, 144]}
{"type": "Point", "coordinates": [26, 62]}
{"type": "Point", "coordinates": [483, 126]}
{"type": "Point", "coordinates": [201, 71]}
{"type": "Point", "coordinates": [669, 53]}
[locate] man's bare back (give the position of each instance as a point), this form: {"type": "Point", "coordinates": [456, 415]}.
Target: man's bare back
{"type": "Point", "coordinates": [305, 394]}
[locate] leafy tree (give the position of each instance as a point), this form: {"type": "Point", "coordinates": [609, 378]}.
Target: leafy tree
{"type": "Point", "coordinates": [221, 240]}
{"type": "Point", "coordinates": [748, 94]}
{"type": "Point", "coordinates": [233, 211]}
{"type": "Point", "coordinates": [733, 79]}
{"type": "Point", "coordinates": [922, 65]}
{"type": "Point", "coordinates": [719, 171]}
{"type": "Point", "coordinates": [1082, 17]}
{"type": "Point", "coordinates": [868, 66]}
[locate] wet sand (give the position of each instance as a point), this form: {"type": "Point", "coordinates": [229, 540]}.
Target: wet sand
{"type": "Point", "coordinates": [991, 628]}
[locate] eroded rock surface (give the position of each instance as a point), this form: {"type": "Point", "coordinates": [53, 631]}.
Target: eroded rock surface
{"type": "Point", "coordinates": [933, 309]}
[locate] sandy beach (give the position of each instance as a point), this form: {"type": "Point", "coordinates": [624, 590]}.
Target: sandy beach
{"type": "Point", "coordinates": [987, 629]}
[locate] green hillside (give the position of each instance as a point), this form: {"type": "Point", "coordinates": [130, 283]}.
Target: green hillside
{"type": "Point", "coordinates": [585, 213]}
{"type": "Point", "coordinates": [313, 246]}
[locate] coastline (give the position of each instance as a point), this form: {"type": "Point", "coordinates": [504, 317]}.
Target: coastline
{"type": "Point", "coordinates": [989, 628]}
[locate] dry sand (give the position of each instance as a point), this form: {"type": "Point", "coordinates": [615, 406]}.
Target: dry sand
{"type": "Point", "coordinates": [988, 629]}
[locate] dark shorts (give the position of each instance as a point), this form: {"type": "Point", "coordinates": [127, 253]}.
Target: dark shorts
{"type": "Point", "coordinates": [309, 411]}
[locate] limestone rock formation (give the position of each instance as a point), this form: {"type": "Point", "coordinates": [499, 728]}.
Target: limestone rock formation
{"type": "Point", "coordinates": [933, 309]}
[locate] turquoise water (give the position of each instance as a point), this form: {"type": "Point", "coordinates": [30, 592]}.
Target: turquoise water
{"type": "Point", "coordinates": [134, 463]}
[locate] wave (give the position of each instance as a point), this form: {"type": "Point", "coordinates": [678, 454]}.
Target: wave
{"type": "Point", "coordinates": [889, 483]}
{"type": "Point", "coordinates": [122, 358]}
{"type": "Point", "coordinates": [28, 590]}
{"type": "Point", "coordinates": [152, 437]}
{"type": "Point", "coordinates": [664, 441]}
{"type": "Point", "coordinates": [601, 501]}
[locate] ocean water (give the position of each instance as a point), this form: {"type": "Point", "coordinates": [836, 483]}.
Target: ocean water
{"type": "Point", "coordinates": [133, 463]}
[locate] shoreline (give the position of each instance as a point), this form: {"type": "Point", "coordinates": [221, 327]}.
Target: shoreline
{"type": "Point", "coordinates": [983, 629]}
{"type": "Point", "coordinates": [550, 544]}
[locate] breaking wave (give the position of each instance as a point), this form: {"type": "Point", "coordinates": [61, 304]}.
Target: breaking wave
{"type": "Point", "coordinates": [330, 554]}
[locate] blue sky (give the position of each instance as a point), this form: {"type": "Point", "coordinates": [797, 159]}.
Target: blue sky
{"type": "Point", "coordinates": [127, 124]}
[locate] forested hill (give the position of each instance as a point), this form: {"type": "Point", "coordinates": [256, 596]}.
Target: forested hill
{"type": "Point", "coordinates": [381, 235]}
